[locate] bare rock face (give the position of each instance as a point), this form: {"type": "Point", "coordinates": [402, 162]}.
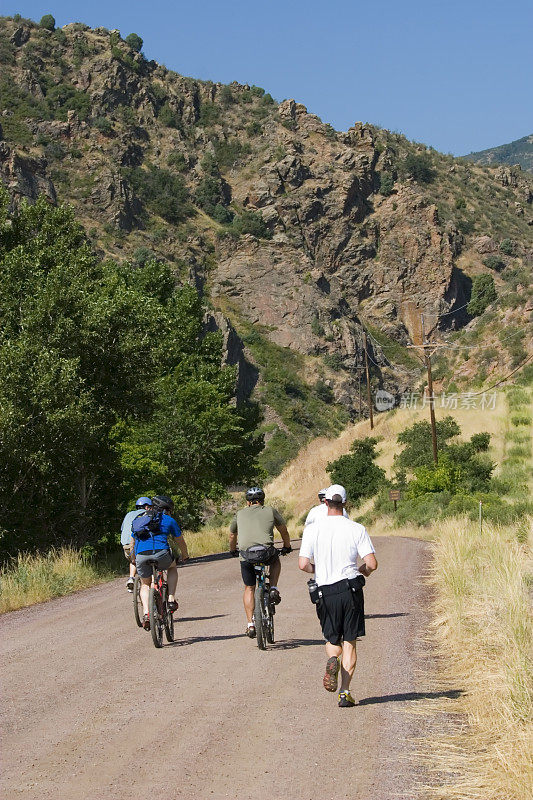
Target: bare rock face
{"type": "Point", "coordinates": [115, 196]}
{"type": "Point", "coordinates": [25, 178]}
{"type": "Point", "coordinates": [234, 355]}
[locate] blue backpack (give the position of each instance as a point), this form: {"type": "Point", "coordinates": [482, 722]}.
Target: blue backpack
{"type": "Point", "coordinates": [146, 526]}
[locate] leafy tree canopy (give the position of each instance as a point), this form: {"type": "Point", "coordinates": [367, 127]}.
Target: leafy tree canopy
{"type": "Point", "coordinates": [109, 388]}
{"type": "Point", "coordinates": [357, 472]}
{"type": "Point", "coordinates": [48, 22]}
{"type": "Point", "coordinates": [134, 41]}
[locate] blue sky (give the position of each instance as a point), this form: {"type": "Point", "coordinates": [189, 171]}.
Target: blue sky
{"type": "Point", "coordinates": [454, 75]}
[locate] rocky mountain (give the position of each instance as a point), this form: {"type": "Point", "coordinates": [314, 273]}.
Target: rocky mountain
{"type": "Point", "coordinates": [302, 238]}
{"type": "Point", "coordinates": [518, 152]}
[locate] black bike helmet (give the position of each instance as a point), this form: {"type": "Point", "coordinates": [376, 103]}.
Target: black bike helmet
{"type": "Point", "coordinates": [255, 493]}
{"type": "Point", "coordinates": [162, 501]}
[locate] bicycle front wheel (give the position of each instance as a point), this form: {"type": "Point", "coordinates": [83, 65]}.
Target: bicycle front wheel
{"type": "Point", "coordinates": [269, 621]}
{"type": "Point", "coordinates": [156, 623]}
{"type": "Point", "coordinates": [137, 605]}
{"type": "Point", "coordinates": [258, 617]}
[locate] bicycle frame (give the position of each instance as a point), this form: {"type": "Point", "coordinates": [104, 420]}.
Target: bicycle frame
{"type": "Point", "coordinates": [264, 610]}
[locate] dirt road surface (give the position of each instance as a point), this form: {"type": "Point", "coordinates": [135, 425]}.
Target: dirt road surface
{"type": "Point", "coordinates": [90, 708]}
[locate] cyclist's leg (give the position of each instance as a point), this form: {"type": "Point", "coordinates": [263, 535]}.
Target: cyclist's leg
{"type": "Point", "coordinates": [145, 592]}
{"type": "Point", "coordinates": [248, 577]}
{"type": "Point", "coordinates": [172, 580]}
{"type": "Point", "coordinates": [275, 571]}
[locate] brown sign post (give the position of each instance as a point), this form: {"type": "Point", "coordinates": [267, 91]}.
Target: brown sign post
{"type": "Point", "coordinates": [394, 495]}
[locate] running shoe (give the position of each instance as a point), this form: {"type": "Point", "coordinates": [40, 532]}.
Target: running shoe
{"type": "Point", "coordinates": [346, 700]}
{"type": "Point", "coordinates": [146, 622]}
{"type": "Point", "coordinates": [275, 596]}
{"type": "Point", "coordinates": [332, 674]}
{"type": "Point", "coordinates": [250, 631]}
{"type": "Point", "coordinates": [129, 584]}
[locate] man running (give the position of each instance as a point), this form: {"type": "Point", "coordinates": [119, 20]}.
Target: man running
{"type": "Point", "coordinates": [320, 510]}
{"type": "Point", "coordinates": [330, 548]}
{"type": "Point", "coordinates": [251, 526]}
{"type": "Point", "coordinates": [155, 546]}
{"type": "Point", "coordinates": [141, 505]}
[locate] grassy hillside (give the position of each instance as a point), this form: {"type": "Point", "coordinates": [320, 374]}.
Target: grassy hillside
{"type": "Point", "coordinates": [518, 152]}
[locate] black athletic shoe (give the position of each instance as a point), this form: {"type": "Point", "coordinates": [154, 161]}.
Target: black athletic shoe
{"type": "Point", "coordinates": [129, 585]}
{"type": "Point", "coordinates": [250, 631]}
{"type": "Point", "coordinates": [346, 700]}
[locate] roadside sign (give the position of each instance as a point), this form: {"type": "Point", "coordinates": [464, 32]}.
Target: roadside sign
{"type": "Point", "coordinates": [394, 495]}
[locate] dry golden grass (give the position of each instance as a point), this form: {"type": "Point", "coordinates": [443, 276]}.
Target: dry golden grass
{"type": "Point", "coordinates": [483, 630]}
{"type": "Point", "coordinates": [298, 484]}
{"type": "Point", "coordinates": [31, 579]}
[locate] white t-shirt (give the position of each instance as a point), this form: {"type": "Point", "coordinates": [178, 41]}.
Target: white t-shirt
{"type": "Point", "coordinates": [333, 544]}
{"type": "Point", "coordinates": [319, 511]}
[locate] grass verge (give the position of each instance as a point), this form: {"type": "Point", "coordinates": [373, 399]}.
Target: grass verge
{"type": "Point", "coordinates": [30, 579]}
{"type": "Point", "coordinates": [483, 631]}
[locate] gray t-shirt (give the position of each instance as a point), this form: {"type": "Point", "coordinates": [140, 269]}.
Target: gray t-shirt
{"type": "Point", "coordinates": [255, 525]}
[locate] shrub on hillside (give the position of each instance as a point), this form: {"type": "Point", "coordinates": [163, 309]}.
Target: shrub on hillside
{"type": "Point", "coordinates": [507, 246]}
{"type": "Point", "coordinates": [167, 116]}
{"type": "Point", "coordinates": [419, 168]}
{"type": "Point", "coordinates": [494, 262]}
{"type": "Point", "coordinates": [134, 41]}
{"type": "Point", "coordinates": [48, 22]}
{"type": "Point", "coordinates": [357, 472]}
{"type": "Point", "coordinates": [386, 185]}
{"type": "Point", "coordinates": [162, 192]}
{"type": "Point", "coordinates": [483, 294]}
{"type": "Point", "coordinates": [418, 444]}
{"type": "Point", "coordinates": [253, 223]}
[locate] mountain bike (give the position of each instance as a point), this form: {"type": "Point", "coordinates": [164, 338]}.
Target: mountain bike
{"type": "Point", "coordinates": [160, 616]}
{"type": "Point", "coordinates": [264, 608]}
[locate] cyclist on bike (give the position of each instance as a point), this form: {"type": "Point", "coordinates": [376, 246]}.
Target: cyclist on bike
{"type": "Point", "coordinates": [320, 510]}
{"type": "Point", "coordinates": [251, 526]}
{"type": "Point", "coordinates": [142, 504]}
{"type": "Point", "coordinates": [156, 547]}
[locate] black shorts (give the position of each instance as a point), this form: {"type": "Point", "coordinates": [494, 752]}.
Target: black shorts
{"type": "Point", "coordinates": [248, 570]}
{"type": "Point", "coordinates": [341, 612]}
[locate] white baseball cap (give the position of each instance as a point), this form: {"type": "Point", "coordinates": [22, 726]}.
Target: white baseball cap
{"type": "Point", "coordinates": [322, 493]}
{"type": "Point", "coordinates": [336, 492]}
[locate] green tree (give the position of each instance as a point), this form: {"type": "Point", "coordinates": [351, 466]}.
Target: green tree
{"type": "Point", "coordinates": [483, 294]}
{"type": "Point", "coordinates": [419, 167]}
{"type": "Point", "coordinates": [417, 440]}
{"type": "Point", "coordinates": [386, 186]}
{"type": "Point", "coordinates": [357, 472]}
{"type": "Point", "coordinates": [108, 385]}
{"type": "Point", "coordinates": [48, 22]}
{"type": "Point", "coordinates": [134, 41]}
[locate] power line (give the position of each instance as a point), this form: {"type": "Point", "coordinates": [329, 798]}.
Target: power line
{"type": "Point", "coordinates": [523, 364]}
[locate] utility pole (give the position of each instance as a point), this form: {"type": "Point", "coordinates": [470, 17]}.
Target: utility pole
{"type": "Point", "coordinates": [369, 399]}
{"type": "Point", "coordinates": [431, 396]}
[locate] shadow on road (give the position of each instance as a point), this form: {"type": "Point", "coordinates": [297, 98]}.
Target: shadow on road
{"type": "Point", "coordinates": [386, 616]}
{"type": "Point", "coordinates": [197, 619]}
{"type": "Point", "coordinates": [452, 694]}
{"type": "Point", "coordinates": [195, 639]}
{"type": "Point", "coordinates": [290, 644]}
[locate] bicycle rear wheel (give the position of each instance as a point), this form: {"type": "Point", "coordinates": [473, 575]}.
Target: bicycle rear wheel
{"type": "Point", "coordinates": [156, 623]}
{"type": "Point", "coordinates": [137, 605]}
{"type": "Point", "coordinates": [258, 618]}
{"type": "Point", "coordinates": [167, 616]}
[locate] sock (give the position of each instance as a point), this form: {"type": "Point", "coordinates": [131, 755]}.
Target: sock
{"type": "Point", "coordinates": [251, 625]}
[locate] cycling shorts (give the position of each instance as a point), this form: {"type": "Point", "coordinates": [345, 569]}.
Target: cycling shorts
{"type": "Point", "coordinates": [164, 559]}
{"type": "Point", "coordinates": [248, 570]}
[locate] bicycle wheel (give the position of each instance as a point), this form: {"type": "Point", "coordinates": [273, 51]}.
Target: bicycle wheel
{"type": "Point", "coordinates": [258, 617]}
{"type": "Point", "coordinates": [156, 623]}
{"type": "Point", "coordinates": [167, 616]}
{"type": "Point", "coordinates": [269, 621]}
{"type": "Point", "coordinates": [137, 605]}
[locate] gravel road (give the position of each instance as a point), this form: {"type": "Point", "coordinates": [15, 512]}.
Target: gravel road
{"type": "Point", "coordinates": [91, 709]}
